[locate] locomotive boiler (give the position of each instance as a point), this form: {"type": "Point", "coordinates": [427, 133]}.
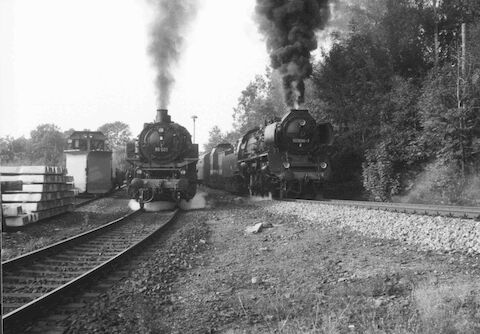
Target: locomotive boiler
{"type": "Point", "coordinates": [163, 162]}
{"type": "Point", "coordinates": [287, 158]}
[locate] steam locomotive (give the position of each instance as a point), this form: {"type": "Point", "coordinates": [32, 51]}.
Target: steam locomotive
{"type": "Point", "coordinates": [287, 158]}
{"type": "Point", "coordinates": [163, 162]}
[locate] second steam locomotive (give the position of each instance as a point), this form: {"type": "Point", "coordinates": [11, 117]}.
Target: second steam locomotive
{"type": "Point", "coordinates": [287, 158]}
{"type": "Point", "coordinates": [163, 160]}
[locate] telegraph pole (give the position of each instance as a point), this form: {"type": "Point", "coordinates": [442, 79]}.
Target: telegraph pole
{"type": "Point", "coordinates": [464, 47]}
{"type": "Point", "coordinates": [461, 92]}
{"type": "Point", "coordinates": [435, 18]}
{"type": "Point", "coordinates": [194, 117]}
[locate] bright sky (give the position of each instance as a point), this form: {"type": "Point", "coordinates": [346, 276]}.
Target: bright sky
{"type": "Point", "coordinates": [83, 63]}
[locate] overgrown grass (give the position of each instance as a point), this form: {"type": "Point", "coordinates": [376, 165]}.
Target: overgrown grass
{"type": "Point", "coordinates": [379, 305]}
{"type": "Point", "coordinates": [453, 308]}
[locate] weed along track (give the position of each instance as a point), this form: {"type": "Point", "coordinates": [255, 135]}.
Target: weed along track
{"type": "Point", "coordinates": [39, 280]}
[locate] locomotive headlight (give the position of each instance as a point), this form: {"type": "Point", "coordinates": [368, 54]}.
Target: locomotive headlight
{"type": "Point", "coordinates": [323, 165]}
{"type": "Point", "coordinates": [302, 122]}
{"type": "Point", "coordinates": [183, 172]}
{"type": "Point", "coordinates": [286, 165]}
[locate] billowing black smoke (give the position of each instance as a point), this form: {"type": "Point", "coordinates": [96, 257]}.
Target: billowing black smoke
{"type": "Point", "coordinates": [171, 20]}
{"type": "Point", "coordinates": [289, 26]}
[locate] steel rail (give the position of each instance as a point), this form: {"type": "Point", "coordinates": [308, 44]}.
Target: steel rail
{"type": "Point", "coordinates": [32, 256]}
{"type": "Point", "coordinates": [33, 309]}
{"type": "Point", "coordinates": [89, 200]}
{"type": "Point", "coordinates": [466, 212]}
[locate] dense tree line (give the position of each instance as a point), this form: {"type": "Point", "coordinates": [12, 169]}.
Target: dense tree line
{"type": "Point", "coordinates": [404, 101]}
{"type": "Point", "coordinates": [47, 143]}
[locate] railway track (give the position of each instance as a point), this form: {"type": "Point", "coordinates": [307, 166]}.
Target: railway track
{"type": "Point", "coordinates": [37, 281]}
{"type": "Point", "coordinates": [81, 201]}
{"type": "Point", "coordinates": [467, 212]}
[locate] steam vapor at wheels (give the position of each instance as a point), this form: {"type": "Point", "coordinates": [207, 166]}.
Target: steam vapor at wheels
{"type": "Point", "coordinates": [290, 26]}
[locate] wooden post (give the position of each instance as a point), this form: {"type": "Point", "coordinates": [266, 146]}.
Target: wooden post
{"type": "Point", "coordinates": [463, 49]}
{"type": "Point", "coordinates": [460, 94]}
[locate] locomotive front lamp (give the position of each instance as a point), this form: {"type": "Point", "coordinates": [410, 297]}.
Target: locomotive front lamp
{"type": "Point", "coordinates": [323, 165]}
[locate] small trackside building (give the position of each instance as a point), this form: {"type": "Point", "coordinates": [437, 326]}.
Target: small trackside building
{"type": "Point", "coordinates": [89, 162]}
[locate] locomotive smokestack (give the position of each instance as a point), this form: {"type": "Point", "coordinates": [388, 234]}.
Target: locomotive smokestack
{"type": "Point", "coordinates": [163, 116]}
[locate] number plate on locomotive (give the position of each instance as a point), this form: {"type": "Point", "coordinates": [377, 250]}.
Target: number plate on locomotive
{"type": "Point", "coordinates": [299, 140]}
{"type": "Point", "coordinates": [161, 149]}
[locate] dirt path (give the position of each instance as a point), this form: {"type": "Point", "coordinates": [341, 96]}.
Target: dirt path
{"type": "Point", "coordinates": [210, 276]}
{"type": "Point", "coordinates": [300, 277]}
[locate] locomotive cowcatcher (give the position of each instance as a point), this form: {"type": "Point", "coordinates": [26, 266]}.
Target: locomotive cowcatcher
{"type": "Point", "coordinates": [163, 160]}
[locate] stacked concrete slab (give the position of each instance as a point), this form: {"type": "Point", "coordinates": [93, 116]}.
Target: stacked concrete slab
{"type": "Point", "coordinates": [46, 191]}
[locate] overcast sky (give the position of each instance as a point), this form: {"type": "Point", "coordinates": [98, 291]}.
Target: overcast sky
{"type": "Point", "coordinates": [82, 63]}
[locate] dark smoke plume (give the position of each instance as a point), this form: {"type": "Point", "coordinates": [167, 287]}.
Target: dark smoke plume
{"type": "Point", "coordinates": [290, 26]}
{"type": "Point", "coordinates": [171, 20]}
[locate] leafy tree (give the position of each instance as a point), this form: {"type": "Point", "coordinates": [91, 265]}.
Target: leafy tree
{"type": "Point", "coordinates": [6, 151]}
{"type": "Point", "coordinates": [398, 155]}
{"type": "Point", "coordinates": [117, 133]}
{"type": "Point", "coordinates": [367, 86]}
{"type": "Point", "coordinates": [216, 136]}
{"type": "Point", "coordinates": [379, 177]}
{"type": "Point", "coordinates": [47, 145]}
{"type": "Point", "coordinates": [258, 103]}
{"type": "Point", "coordinates": [351, 85]}
{"type": "Point", "coordinates": [451, 119]}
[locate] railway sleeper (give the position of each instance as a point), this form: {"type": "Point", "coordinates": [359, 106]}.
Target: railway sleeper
{"type": "Point", "coordinates": [102, 246]}
{"type": "Point", "coordinates": [13, 280]}
{"type": "Point", "coordinates": [68, 260]}
{"type": "Point", "coordinates": [59, 269]}
{"type": "Point", "coordinates": [54, 274]}
{"type": "Point", "coordinates": [21, 295]}
{"type": "Point", "coordinates": [100, 252]}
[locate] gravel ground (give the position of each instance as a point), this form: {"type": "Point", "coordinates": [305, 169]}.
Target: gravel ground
{"type": "Point", "coordinates": [296, 275]}
{"type": "Point", "coordinates": [430, 233]}
{"type": "Point", "coordinates": [37, 235]}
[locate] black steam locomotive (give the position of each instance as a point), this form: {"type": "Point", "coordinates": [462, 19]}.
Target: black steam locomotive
{"type": "Point", "coordinates": [287, 158]}
{"type": "Point", "coordinates": [163, 161]}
